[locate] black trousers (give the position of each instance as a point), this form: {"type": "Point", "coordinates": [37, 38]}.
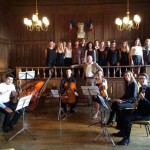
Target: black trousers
{"type": "Point", "coordinates": [10, 120]}
{"type": "Point", "coordinates": [118, 108]}
{"type": "Point", "coordinates": [127, 122]}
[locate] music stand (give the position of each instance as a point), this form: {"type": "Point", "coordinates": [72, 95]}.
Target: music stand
{"type": "Point", "coordinates": [27, 75]}
{"type": "Point", "coordinates": [90, 91]}
{"type": "Point", "coordinates": [22, 104]}
{"type": "Point", "coordinates": [103, 122]}
{"type": "Point", "coordinates": [61, 112]}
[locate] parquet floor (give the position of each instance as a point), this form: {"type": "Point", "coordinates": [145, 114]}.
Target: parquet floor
{"type": "Point", "coordinates": [70, 134]}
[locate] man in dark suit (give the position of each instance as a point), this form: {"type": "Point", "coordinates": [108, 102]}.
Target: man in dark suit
{"type": "Point", "coordinates": [141, 109]}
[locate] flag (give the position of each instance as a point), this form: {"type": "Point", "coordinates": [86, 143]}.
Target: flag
{"type": "Point", "coordinates": [90, 25]}
{"type": "Point", "coordinates": [71, 26]}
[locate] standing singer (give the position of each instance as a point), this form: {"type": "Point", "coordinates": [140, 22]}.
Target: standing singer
{"type": "Point", "coordinates": [142, 111]}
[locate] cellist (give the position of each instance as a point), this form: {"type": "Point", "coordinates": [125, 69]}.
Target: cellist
{"type": "Point", "coordinates": [68, 91]}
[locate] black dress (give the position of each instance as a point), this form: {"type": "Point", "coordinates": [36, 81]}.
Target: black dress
{"type": "Point", "coordinates": [102, 60]}
{"type": "Point", "coordinates": [124, 60]}
{"type": "Point", "coordinates": [113, 59]}
{"type": "Point", "coordinates": [51, 57]}
{"type": "Point", "coordinates": [59, 62]}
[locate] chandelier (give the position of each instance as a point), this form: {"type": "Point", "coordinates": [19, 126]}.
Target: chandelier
{"type": "Point", "coordinates": [126, 23]}
{"type": "Point", "coordinates": [36, 23]}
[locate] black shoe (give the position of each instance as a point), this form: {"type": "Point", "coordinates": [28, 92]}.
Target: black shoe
{"type": "Point", "coordinates": [124, 141]}
{"type": "Point", "coordinates": [7, 129]}
{"type": "Point", "coordinates": [119, 134]}
{"type": "Point", "coordinates": [110, 123]}
{"type": "Point", "coordinates": [73, 110]}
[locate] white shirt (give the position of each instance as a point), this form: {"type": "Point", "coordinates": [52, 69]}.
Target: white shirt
{"type": "Point", "coordinates": [136, 50]}
{"type": "Point", "coordinates": [68, 53]}
{"type": "Point", "coordinates": [89, 72]}
{"type": "Point", "coordinates": [6, 90]}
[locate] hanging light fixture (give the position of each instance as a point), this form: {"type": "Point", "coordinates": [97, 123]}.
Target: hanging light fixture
{"type": "Point", "coordinates": [36, 23]}
{"type": "Point", "coordinates": [126, 23]}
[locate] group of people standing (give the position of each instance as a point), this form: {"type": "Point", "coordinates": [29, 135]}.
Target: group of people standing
{"type": "Point", "coordinates": [109, 54]}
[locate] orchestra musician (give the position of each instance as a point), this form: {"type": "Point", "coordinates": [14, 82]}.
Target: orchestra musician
{"type": "Point", "coordinates": [126, 101]}
{"type": "Point", "coordinates": [142, 111]}
{"type": "Point", "coordinates": [68, 91]}
{"type": "Point", "coordinates": [101, 82]}
{"type": "Point", "coordinates": [7, 106]}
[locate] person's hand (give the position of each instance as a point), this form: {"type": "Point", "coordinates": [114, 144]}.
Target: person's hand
{"type": "Point", "coordinates": [119, 101]}
{"type": "Point", "coordinates": [72, 66]}
{"type": "Point", "coordinates": [135, 105]}
{"type": "Point", "coordinates": [76, 94]}
{"type": "Point", "coordinates": [8, 109]}
{"type": "Point", "coordinates": [141, 95]}
{"type": "Point", "coordinates": [114, 100]}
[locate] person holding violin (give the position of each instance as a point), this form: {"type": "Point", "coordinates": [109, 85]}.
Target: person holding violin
{"type": "Point", "coordinates": [101, 82]}
{"type": "Point", "coordinates": [7, 106]}
{"type": "Point", "coordinates": [68, 91]}
{"type": "Point", "coordinates": [141, 109]}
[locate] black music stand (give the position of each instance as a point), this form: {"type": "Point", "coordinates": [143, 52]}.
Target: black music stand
{"type": "Point", "coordinates": [90, 91]}
{"type": "Point", "coordinates": [61, 113]}
{"type": "Point", "coordinates": [103, 122]}
{"type": "Point", "coordinates": [22, 104]}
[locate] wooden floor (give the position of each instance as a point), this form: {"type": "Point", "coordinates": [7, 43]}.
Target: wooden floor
{"type": "Point", "coordinates": [70, 134]}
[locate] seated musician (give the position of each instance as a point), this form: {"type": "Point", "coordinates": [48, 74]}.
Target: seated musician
{"type": "Point", "coordinates": [6, 105]}
{"type": "Point", "coordinates": [101, 82]}
{"type": "Point", "coordinates": [68, 91]}
{"type": "Point", "coordinates": [142, 111]}
{"type": "Point", "coordinates": [126, 101]}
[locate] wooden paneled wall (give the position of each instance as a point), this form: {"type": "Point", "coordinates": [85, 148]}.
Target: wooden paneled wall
{"type": "Point", "coordinates": [27, 48]}
{"type": "Point", "coordinates": [4, 36]}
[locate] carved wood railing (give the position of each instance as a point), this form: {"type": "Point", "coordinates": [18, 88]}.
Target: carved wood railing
{"type": "Point", "coordinates": [58, 72]}
{"type": "Point", "coordinates": [116, 82]}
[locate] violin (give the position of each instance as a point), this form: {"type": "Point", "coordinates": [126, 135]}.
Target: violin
{"type": "Point", "coordinates": [68, 97]}
{"type": "Point", "coordinates": [102, 88]}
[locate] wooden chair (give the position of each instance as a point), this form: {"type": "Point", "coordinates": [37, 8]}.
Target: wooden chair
{"type": "Point", "coordinates": [145, 123]}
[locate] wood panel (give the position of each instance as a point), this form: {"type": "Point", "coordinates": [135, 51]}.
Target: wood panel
{"type": "Point", "coordinates": [27, 48]}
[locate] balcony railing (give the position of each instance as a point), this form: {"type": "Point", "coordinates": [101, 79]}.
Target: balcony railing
{"type": "Point", "coordinates": [58, 72]}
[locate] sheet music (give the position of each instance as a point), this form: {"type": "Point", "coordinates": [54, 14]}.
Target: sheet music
{"type": "Point", "coordinates": [55, 93]}
{"type": "Point", "coordinates": [27, 75]}
{"type": "Point", "coordinates": [90, 90]}
{"type": "Point", "coordinates": [23, 102]}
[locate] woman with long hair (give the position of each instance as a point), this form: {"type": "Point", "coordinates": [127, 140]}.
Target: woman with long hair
{"type": "Point", "coordinates": [101, 82]}
{"type": "Point", "coordinates": [127, 100]}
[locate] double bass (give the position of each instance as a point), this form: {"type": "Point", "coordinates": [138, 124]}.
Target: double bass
{"type": "Point", "coordinates": [68, 97]}
{"type": "Point", "coordinates": [36, 88]}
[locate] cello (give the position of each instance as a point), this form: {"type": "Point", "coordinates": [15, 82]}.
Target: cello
{"type": "Point", "coordinates": [68, 97]}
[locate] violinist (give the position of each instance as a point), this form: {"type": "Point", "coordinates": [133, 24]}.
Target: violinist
{"type": "Point", "coordinates": [101, 82]}
{"type": "Point", "coordinates": [68, 91]}
{"type": "Point", "coordinates": [142, 111]}
{"type": "Point", "coordinates": [6, 105]}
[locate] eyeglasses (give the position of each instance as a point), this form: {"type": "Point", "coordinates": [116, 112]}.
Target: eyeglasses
{"type": "Point", "coordinates": [142, 78]}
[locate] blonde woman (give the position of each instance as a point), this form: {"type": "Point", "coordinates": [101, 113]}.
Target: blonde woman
{"type": "Point", "coordinates": [68, 54]}
{"type": "Point", "coordinates": [101, 82]}
{"type": "Point", "coordinates": [59, 57]}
